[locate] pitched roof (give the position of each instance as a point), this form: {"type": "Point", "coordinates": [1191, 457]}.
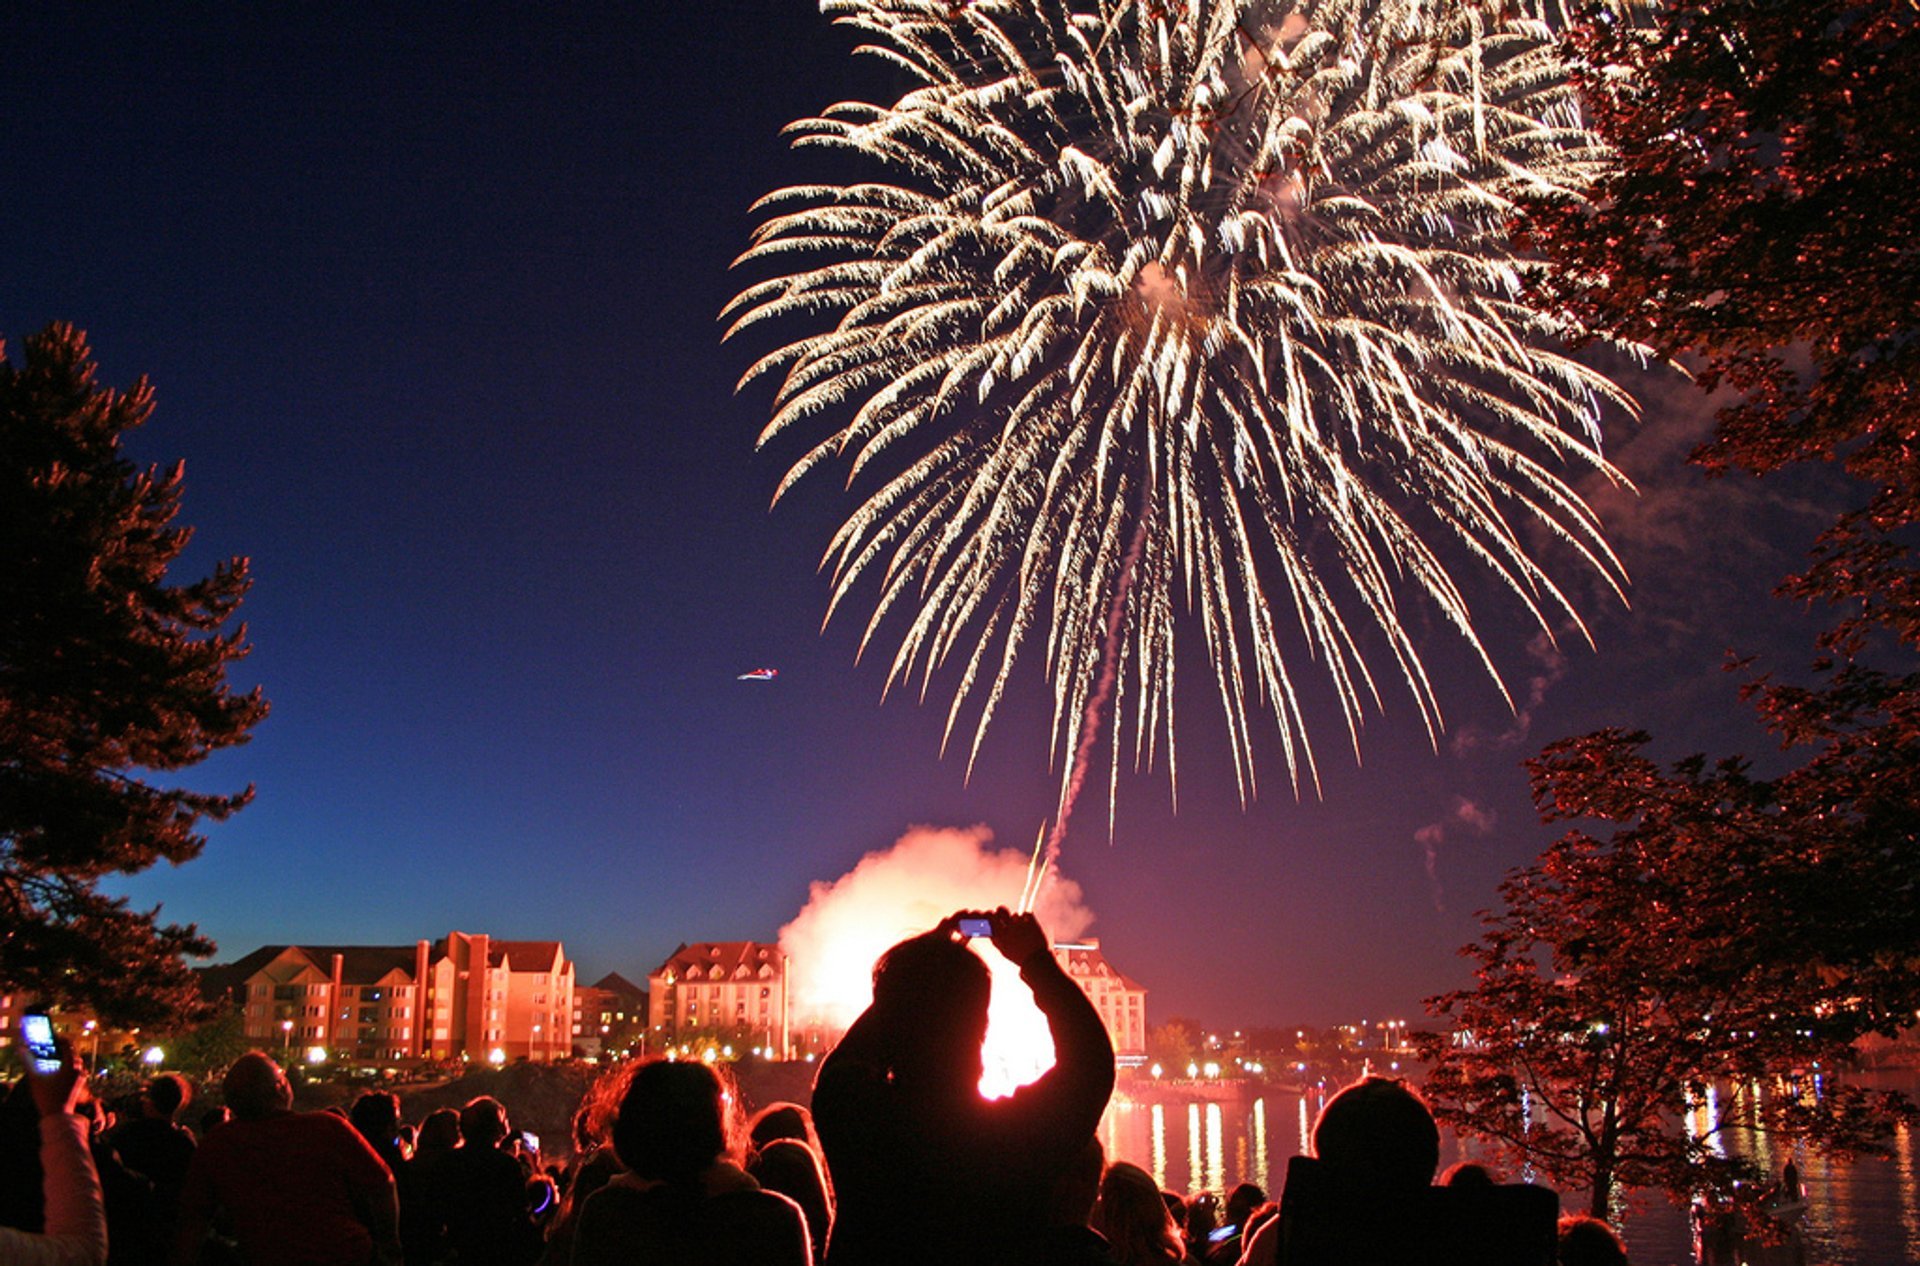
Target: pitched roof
{"type": "Point", "coordinates": [723, 958]}
{"type": "Point", "coordinates": [1085, 958]}
{"type": "Point", "coordinates": [614, 982]}
{"type": "Point", "coordinates": [524, 955]}
{"type": "Point", "coordinates": [359, 964]}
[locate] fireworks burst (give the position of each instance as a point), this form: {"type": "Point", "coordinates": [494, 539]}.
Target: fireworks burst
{"type": "Point", "coordinates": [1185, 316]}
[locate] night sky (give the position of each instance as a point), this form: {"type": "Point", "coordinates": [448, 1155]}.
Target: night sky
{"type": "Point", "coordinates": [428, 294]}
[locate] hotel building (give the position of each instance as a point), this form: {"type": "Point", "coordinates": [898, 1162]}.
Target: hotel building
{"type": "Point", "coordinates": [730, 990]}
{"type": "Point", "coordinates": [1120, 1000]}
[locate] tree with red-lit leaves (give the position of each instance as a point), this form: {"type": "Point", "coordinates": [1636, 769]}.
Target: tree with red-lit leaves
{"type": "Point", "coordinates": [1760, 228]}
{"type": "Point", "coordinates": [108, 670]}
{"type": "Point", "coordinates": [1759, 224]}
{"type": "Point", "coordinates": [1720, 932]}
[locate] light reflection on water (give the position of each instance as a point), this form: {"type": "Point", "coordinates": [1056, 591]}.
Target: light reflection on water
{"type": "Point", "coordinates": [1861, 1213]}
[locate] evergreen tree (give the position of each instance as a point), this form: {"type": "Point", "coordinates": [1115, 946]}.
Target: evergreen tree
{"type": "Point", "coordinates": [107, 670]}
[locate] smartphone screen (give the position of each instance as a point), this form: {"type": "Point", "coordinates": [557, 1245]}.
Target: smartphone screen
{"type": "Point", "coordinates": [36, 1030]}
{"type": "Point", "coordinates": [976, 927]}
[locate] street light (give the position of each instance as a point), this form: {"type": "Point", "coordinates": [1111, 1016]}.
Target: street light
{"type": "Point", "coordinates": [286, 1037]}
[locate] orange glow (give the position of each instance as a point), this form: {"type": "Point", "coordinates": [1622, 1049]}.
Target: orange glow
{"type": "Point", "coordinates": [847, 924]}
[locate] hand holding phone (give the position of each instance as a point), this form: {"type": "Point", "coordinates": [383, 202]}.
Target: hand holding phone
{"type": "Point", "coordinates": [54, 1080]}
{"type": "Point", "coordinates": [36, 1035]}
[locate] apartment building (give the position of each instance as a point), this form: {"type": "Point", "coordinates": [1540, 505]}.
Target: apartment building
{"type": "Point", "coordinates": [733, 991]}
{"type": "Point", "coordinates": [610, 1018]}
{"type": "Point", "coordinates": [466, 995]}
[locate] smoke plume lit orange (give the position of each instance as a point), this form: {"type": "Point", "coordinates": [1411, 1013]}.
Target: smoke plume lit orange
{"type": "Point", "coordinates": [929, 873]}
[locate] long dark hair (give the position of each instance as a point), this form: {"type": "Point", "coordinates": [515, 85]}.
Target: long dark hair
{"type": "Point", "coordinates": [676, 1119]}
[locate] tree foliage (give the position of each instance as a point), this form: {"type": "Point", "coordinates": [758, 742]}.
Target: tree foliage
{"type": "Point", "coordinates": [1728, 933]}
{"type": "Point", "coordinates": [1759, 222]}
{"type": "Point", "coordinates": [1758, 226]}
{"type": "Point", "coordinates": [107, 669]}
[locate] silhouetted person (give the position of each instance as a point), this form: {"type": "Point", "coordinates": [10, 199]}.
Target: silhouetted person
{"type": "Point", "coordinates": [139, 1224]}
{"type": "Point", "coordinates": [153, 1143]}
{"type": "Point", "coordinates": [74, 1213]}
{"type": "Point", "coordinates": [684, 1197]}
{"type": "Point", "coordinates": [1587, 1241]}
{"type": "Point", "coordinates": [484, 1190]}
{"type": "Point", "coordinates": [1199, 1223]}
{"type": "Point", "coordinates": [1375, 1147]}
{"type": "Point", "coordinates": [297, 1188]}
{"type": "Point", "coordinates": [1467, 1174]}
{"type": "Point", "coordinates": [785, 1157]}
{"type": "Point", "coordinates": [423, 1188]}
{"type": "Point", "coordinates": [924, 1168]}
{"type": "Point", "coordinates": [1366, 1196]}
{"type": "Point", "coordinates": [1133, 1214]}
{"type": "Point", "coordinates": [1241, 1202]}
{"type": "Point", "coordinates": [376, 1114]}
{"type": "Point", "coordinates": [1069, 1238]}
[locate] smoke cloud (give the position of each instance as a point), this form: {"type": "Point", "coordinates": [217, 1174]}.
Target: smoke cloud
{"type": "Point", "coordinates": [1468, 814]}
{"type": "Point", "coordinates": [899, 892]}
{"type": "Point", "coordinates": [1549, 667]}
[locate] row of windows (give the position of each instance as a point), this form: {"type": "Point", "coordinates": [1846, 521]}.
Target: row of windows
{"type": "Point", "coordinates": [741, 972]}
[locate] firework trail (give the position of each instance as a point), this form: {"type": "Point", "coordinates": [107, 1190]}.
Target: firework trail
{"type": "Point", "coordinates": [1243, 263]}
{"type": "Point", "coordinates": [1103, 690]}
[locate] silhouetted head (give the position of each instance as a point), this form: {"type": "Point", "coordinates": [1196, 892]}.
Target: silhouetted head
{"type": "Point", "coordinates": [167, 1094]}
{"type": "Point", "coordinates": [255, 1087]}
{"type": "Point", "coordinates": [1134, 1217]}
{"type": "Point", "coordinates": [1203, 1215]}
{"type": "Point", "coordinates": [1379, 1130]}
{"type": "Point", "coordinates": [440, 1132]}
{"type": "Point", "coordinates": [1078, 1188]}
{"type": "Point", "coordinates": [1587, 1241]}
{"type": "Point", "coordinates": [1241, 1201]}
{"type": "Point", "coordinates": [483, 1121]}
{"type": "Point", "coordinates": [675, 1121]}
{"type": "Point", "coordinates": [782, 1121]}
{"type": "Point", "coordinates": [1467, 1174]}
{"type": "Point", "coordinates": [376, 1114]}
{"type": "Point", "coordinates": [933, 991]}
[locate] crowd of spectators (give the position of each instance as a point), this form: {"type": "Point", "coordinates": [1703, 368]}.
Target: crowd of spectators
{"type": "Point", "coordinates": [899, 1160]}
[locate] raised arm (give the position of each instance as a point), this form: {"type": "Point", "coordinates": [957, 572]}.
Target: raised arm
{"type": "Point", "coordinates": [1071, 1095]}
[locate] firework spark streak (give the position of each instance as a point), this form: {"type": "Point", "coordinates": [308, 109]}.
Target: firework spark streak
{"type": "Point", "coordinates": [1202, 314]}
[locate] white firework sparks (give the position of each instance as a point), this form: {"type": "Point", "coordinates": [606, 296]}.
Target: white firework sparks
{"type": "Point", "coordinates": [1186, 315]}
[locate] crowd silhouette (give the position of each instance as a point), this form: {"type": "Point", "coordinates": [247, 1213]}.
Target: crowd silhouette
{"type": "Point", "coordinates": [899, 1160]}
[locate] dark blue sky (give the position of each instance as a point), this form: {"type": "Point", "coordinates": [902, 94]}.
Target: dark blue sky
{"type": "Point", "coordinates": [428, 294]}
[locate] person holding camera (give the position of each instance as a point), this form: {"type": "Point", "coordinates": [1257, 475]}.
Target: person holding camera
{"type": "Point", "coordinates": [76, 1214]}
{"type": "Point", "coordinates": [924, 1167]}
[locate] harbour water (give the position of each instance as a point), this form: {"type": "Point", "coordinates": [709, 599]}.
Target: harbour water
{"type": "Point", "coordinates": [1861, 1213]}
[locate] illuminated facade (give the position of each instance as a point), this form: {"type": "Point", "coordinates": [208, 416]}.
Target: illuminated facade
{"type": "Point", "coordinates": [465, 996]}
{"type": "Point", "coordinates": [1120, 1000]}
{"type": "Point", "coordinates": [735, 991]}
{"type": "Point", "coordinates": [610, 1018]}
